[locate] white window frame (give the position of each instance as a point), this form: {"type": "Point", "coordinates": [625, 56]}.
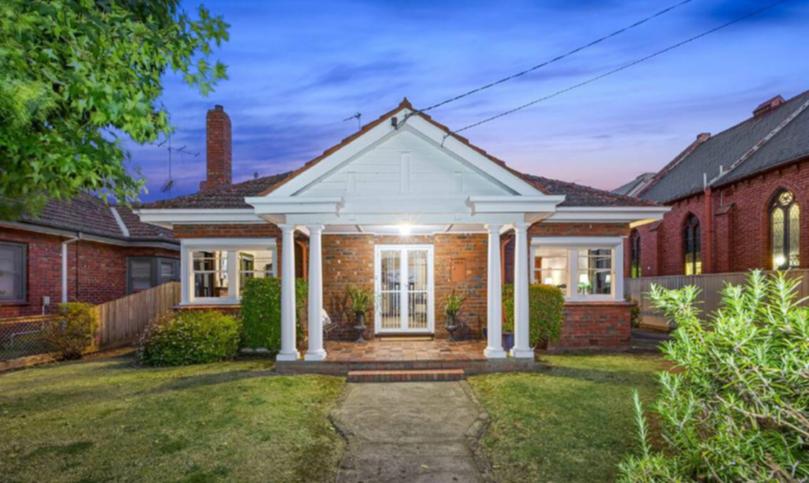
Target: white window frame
{"type": "Point", "coordinates": [230, 245]}
{"type": "Point", "coordinates": [575, 243]}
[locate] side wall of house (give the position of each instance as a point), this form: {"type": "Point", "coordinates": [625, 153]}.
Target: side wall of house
{"type": "Point", "coordinates": [740, 221]}
{"type": "Point", "coordinates": [96, 272]}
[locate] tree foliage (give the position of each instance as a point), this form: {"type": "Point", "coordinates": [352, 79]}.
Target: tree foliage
{"type": "Point", "coordinates": [75, 75]}
{"type": "Point", "coordinates": [736, 405]}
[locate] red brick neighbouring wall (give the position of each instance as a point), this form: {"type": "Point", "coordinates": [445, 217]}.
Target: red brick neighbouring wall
{"type": "Point", "coordinates": [741, 234]}
{"type": "Point", "coordinates": [96, 271]}
{"type": "Point", "coordinates": [228, 231]}
{"type": "Point", "coordinates": [595, 326]}
{"type": "Point", "coordinates": [349, 260]}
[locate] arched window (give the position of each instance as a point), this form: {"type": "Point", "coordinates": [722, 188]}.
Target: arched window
{"type": "Point", "coordinates": [634, 254]}
{"type": "Point", "coordinates": [691, 246]}
{"type": "Point", "coordinates": [785, 231]}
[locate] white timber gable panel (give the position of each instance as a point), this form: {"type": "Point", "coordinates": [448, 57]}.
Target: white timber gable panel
{"type": "Point", "coordinates": [407, 172]}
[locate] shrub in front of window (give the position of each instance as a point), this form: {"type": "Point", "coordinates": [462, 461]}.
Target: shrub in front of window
{"type": "Point", "coordinates": [734, 408]}
{"type": "Point", "coordinates": [73, 331]}
{"type": "Point", "coordinates": [261, 314]}
{"type": "Point", "coordinates": [546, 305]}
{"type": "Point", "coordinates": [191, 338]}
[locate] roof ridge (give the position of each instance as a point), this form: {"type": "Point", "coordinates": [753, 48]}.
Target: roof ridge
{"type": "Point", "coordinates": [763, 141]}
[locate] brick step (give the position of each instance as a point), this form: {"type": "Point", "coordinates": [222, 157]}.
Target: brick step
{"type": "Point", "coordinates": [406, 375]}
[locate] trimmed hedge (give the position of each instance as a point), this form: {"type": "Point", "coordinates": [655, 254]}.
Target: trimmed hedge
{"type": "Point", "coordinates": [546, 306]}
{"type": "Point", "coordinates": [191, 338]}
{"type": "Point", "coordinates": [261, 314]}
{"type": "Point", "coordinates": [73, 331]}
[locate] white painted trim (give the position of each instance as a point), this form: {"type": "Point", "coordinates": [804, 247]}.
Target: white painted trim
{"type": "Point", "coordinates": [636, 216]}
{"type": "Point", "coordinates": [230, 245]}
{"type": "Point", "coordinates": [187, 216]}
{"type": "Point", "coordinates": [266, 205]}
{"type": "Point", "coordinates": [121, 225]}
{"type": "Point", "coordinates": [514, 204]}
{"type": "Point", "coordinates": [573, 244]}
{"type": "Point", "coordinates": [403, 250]}
{"type": "Point", "coordinates": [417, 125]}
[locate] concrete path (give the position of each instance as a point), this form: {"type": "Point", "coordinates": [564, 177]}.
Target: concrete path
{"type": "Point", "coordinates": [414, 431]}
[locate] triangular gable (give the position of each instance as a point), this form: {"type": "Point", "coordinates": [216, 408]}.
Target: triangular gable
{"type": "Point", "coordinates": [381, 130]}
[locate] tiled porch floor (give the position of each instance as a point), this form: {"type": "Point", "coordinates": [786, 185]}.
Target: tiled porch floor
{"type": "Point", "coordinates": [383, 350]}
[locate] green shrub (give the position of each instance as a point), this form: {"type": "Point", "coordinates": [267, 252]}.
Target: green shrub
{"type": "Point", "coordinates": [546, 306]}
{"type": "Point", "coordinates": [545, 311]}
{"type": "Point", "coordinates": [301, 309]}
{"type": "Point", "coordinates": [73, 331]}
{"type": "Point", "coordinates": [735, 407]}
{"type": "Point", "coordinates": [191, 338]}
{"type": "Point", "coordinates": [261, 314]}
{"type": "Point", "coordinates": [508, 308]}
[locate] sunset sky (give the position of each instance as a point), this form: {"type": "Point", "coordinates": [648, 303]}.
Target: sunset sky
{"type": "Point", "coordinates": [297, 69]}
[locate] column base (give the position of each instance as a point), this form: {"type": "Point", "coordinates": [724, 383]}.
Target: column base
{"type": "Point", "coordinates": [522, 353]}
{"type": "Point", "coordinates": [287, 356]}
{"type": "Point", "coordinates": [494, 353]}
{"type": "Point", "coordinates": [315, 356]}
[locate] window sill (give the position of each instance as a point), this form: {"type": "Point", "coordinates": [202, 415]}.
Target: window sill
{"type": "Point", "coordinates": [14, 303]}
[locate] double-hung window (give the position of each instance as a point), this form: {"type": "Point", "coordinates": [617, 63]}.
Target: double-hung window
{"type": "Point", "coordinates": [12, 272]}
{"type": "Point", "coordinates": [584, 268]}
{"type": "Point", "coordinates": [216, 270]}
{"type": "Point", "coordinates": [147, 272]}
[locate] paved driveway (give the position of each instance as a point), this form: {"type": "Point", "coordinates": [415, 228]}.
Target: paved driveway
{"type": "Point", "coordinates": [415, 431]}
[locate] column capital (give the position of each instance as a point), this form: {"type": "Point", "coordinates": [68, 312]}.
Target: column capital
{"type": "Point", "coordinates": [493, 227]}
{"type": "Point", "coordinates": [521, 225]}
{"type": "Point", "coordinates": [315, 228]}
{"type": "Point", "coordinates": [287, 227]}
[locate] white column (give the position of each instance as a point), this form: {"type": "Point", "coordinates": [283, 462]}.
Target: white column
{"type": "Point", "coordinates": [288, 350]}
{"type": "Point", "coordinates": [315, 352]}
{"type": "Point", "coordinates": [233, 275]}
{"type": "Point", "coordinates": [522, 346]}
{"type": "Point", "coordinates": [494, 297]}
{"type": "Point", "coordinates": [618, 271]}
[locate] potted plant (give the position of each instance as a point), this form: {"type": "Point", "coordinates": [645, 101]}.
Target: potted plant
{"type": "Point", "coordinates": [360, 301]}
{"type": "Point", "coordinates": [452, 307]}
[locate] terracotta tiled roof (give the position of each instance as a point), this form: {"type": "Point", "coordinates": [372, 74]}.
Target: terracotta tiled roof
{"type": "Point", "coordinates": [584, 196]}
{"type": "Point", "coordinates": [233, 196]}
{"type": "Point", "coordinates": [89, 215]}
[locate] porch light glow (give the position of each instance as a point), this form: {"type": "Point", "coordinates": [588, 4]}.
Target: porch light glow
{"type": "Point", "coordinates": [405, 229]}
{"type": "Point", "coordinates": [780, 261]}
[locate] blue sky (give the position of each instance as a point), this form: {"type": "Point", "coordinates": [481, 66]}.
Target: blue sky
{"type": "Point", "coordinates": [297, 68]}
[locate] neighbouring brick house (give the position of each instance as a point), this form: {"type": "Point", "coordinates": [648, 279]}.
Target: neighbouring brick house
{"type": "Point", "coordinates": [412, 212]}
{"type": "Point", "coordinates": [738, 199]}
{"type": "Point", "coordinates": [80, 250]}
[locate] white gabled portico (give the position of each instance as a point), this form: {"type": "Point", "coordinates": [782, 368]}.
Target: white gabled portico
{"type": "Point", "coordinates": [406, 177]}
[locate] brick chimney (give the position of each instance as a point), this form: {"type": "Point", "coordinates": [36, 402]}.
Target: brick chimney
{"type": "Point", "coordinates": [768, 106]}
{"type": "Point", "coordinates": [218, 149]}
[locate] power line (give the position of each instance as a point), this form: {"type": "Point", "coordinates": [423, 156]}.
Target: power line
{"type": "Point", "coordinates": [620, 68]}
{"type": "Point", "coordinates": [557, 58]}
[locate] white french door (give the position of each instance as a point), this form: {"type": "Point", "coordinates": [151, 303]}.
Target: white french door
{"type": "Point", "coordinates": [403, 283]}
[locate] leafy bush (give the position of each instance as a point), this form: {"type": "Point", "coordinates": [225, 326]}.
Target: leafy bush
{"type": "Point", "coordinates": [546, 306]}
{"type": "Point", "coordinates": [301, 308]}
{"type": "Point", "coordinates": [734, 408]}
{"type": "Point", "coordinates": [261, 314]}
{"type": "Point", "coordinates": [545, 312]}
{"type": "Point", "coordinates": [191, 338]}
{"type": "Point", "coordinates": [73, 331]}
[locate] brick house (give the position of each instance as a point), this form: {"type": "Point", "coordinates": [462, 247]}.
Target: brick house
{"type": "Point", "coordinates": [80, 250]}
{"type": "Point", "coordinates": [738, 199]}
{"type": "Point", "coordinates": [412, 212]}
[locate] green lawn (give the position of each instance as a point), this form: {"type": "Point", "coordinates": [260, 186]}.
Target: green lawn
{"type": "Point", "coordinates": [573, 423]}
{"type": "Point", "coordinates": [108, 420]}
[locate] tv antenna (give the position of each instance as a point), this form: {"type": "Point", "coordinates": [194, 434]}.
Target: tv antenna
{"type": "Point", "coordinates": [358, 117]}
{"type": "Point", "coordinates": [169, 184]}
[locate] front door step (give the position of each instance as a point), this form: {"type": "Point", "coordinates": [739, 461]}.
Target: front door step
{"type": "Point", "coordinates": [407, 375]}
{"type": "Point", "coordinates": [404, 338]}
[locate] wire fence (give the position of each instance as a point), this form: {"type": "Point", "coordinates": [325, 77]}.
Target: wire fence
{"type": "Point", "coordinates": [22, 336]}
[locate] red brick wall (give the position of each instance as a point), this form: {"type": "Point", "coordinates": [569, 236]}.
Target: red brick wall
{"type": "Point", "coordinates": [741, 237]}
{"type": "Point", "coordinates": [591, 325]}
{"type": "Point", "coordinates": [578, 229]}
{"type": "Point", "coordinates": [96, 271]}
{"type": "Point", "coordinates": [349, 260]}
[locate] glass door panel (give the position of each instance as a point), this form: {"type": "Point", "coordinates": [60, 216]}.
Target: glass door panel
{"type": "Point", "coordinates": [390, 289]}
{"type": "Point", "coordinates": [417, 289]}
